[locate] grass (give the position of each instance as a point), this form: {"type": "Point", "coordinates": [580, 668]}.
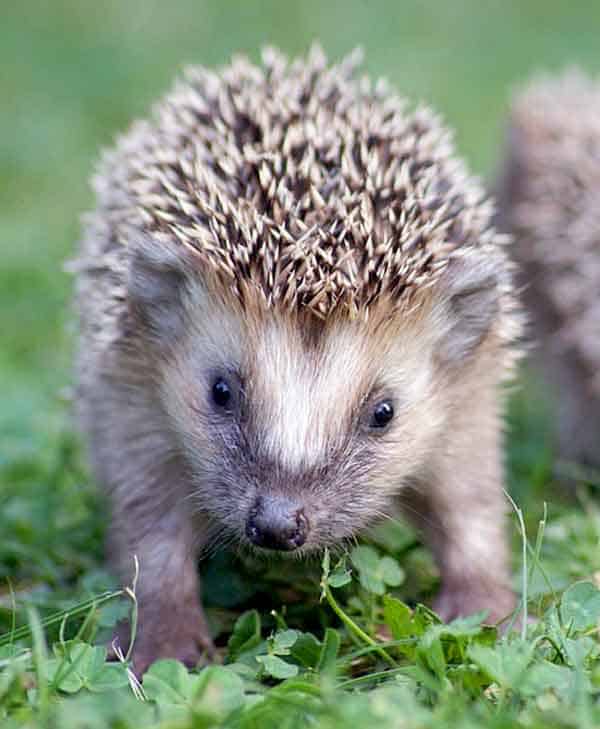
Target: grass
{"type": "Point", "coordinates": [73, 74]}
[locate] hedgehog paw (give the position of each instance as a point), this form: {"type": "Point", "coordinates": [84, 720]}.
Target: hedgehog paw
{"type": "Point", "coordinates": [185, 638]}
{"type": "Point", "coordinates": [461, 600]}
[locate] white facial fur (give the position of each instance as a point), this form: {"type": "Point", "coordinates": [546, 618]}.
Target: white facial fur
{"type": "Point", "coordinates": [307, 412]}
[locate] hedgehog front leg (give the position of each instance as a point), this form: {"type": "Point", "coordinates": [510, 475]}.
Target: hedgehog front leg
{"type": "Point", "coordinates": [470, 548]}
{"type": "Point", "coordinates": [151, 521]}
{"type": "Point", "coordinates": [461, 509]}
{"type": "Point", "coordinates": [171, 623]}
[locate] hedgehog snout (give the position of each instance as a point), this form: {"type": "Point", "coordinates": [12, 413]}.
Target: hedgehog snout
{"type": "Point", "coordinates": [277, 523]}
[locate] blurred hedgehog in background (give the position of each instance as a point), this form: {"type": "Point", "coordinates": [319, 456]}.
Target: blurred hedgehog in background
{"type": "Point", "coordinates": [549, 198]}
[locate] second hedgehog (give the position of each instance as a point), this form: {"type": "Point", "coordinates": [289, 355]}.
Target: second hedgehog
{"type": "Point", "coordinates": [295, 315]}
{"type": "Point", "coordinates": [550, 201]}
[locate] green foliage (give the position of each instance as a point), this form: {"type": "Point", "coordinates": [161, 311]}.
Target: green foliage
{"type": "Point", "coordinates": [580, 607]}
{"type": "Point", "coordinates": [463, 671]}
{"type": "Point", "coordinates": [78, 666]}
{"type": "Point", "coordinates": [375, 572]}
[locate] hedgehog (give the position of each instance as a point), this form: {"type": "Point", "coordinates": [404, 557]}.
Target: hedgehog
{"type": "Point", "coordinates": [549, 198]}
{"type": "Point", "coordinates": [296, 316]}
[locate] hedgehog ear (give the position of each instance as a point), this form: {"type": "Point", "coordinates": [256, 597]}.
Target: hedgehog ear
{"type": "Point", "coordinates": [156, 281]}
{"type": "Point", "coordinates": [472, 304]}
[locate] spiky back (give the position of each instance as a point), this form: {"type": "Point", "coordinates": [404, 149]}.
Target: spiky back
{"type": "Point", "coordinates": [301, 181]}
{"type": "Point", "coordinates": [556, 211]}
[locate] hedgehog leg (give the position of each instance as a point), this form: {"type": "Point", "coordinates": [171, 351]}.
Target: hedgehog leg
{"type": "Point", "coordinates": [461, 508]}
{"type": "Point", "coordinates": [170, 621]}
{"type": "Point", "coordinates": [151, 522]}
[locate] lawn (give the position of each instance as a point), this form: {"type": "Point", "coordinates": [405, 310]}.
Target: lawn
{"type": "Point", "coordinates": [334, 643]}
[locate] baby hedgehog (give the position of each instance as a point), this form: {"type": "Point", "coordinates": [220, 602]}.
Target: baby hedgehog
{"type": "Point", "coordinates": [550, 199]}
{"type": "Point", "coordinates": [295, 314]}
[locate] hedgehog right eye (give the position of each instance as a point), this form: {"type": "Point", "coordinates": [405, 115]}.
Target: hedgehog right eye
{"type": "Point", "coordinates": [221, 393]}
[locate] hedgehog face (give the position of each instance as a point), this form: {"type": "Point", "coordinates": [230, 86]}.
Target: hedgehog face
{"type": "Point", "coordinates": [299, 433]}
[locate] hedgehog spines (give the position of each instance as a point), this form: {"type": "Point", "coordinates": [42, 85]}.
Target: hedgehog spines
{"type": "Point", "coordinates": [315, 186]}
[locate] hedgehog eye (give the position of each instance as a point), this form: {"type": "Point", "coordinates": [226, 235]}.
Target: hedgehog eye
{"type": "Point", "coordinates": [382, 414]}
{"type": "Point", "coordinates": [221, 393]}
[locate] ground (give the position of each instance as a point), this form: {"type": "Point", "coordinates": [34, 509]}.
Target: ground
{"type": "Point", "coordinates": [331, 644]}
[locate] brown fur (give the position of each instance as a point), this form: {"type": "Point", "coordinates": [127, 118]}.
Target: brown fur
{"type": "Point", "coordinates": [428, 322]}
{"type": "Point", "coordinates": [549, 195]}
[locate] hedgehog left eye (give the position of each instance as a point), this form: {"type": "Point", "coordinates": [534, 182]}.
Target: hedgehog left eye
{"type": "Point", "coordinates": [382, 414]}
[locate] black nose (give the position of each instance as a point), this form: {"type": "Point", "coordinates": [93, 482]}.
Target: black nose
{"type": "Point", "coordinates": [277, 523]}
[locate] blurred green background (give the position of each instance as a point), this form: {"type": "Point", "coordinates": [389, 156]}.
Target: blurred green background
{"type": "Point", "coordinates": [74, 73]}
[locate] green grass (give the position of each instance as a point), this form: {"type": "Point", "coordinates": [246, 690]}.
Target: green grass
{"type": "Point", "coordinates": [72, 75]}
